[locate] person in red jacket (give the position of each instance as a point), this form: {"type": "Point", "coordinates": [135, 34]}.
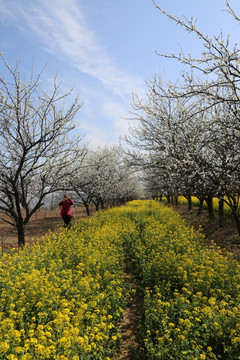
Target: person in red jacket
{"type": "Point", "coordinates": [65, 210]}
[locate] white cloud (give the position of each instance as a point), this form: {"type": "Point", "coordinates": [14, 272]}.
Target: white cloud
{"type": "Point", "coordinates": [96, 136]}
{"type": "Point", "coordinates": [60, 26]}
{"type": "Point", "coordinates": [118, 112]}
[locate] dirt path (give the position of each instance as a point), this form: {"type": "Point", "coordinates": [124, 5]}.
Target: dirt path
{"type": "Point", "coordinates": [130, 324]}
{"type": "Point", "coordinates": [132, 317]}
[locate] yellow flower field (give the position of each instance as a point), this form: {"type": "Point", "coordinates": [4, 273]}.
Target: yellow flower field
{"type": "Point", "coordinates": [64, 297]}
{"type": "Point", "coordinates": [191, 293]}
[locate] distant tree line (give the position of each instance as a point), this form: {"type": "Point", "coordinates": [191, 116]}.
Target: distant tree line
{"type": "Point", "coordinates": [104, 179]}
{"type": "Point", "coordinates": [41, 155]}
{"type": "Point", "coordinates": [187, 141]}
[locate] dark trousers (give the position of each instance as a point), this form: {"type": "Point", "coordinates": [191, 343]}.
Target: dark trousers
{"type": "Point", "coordinates": [66, 219]}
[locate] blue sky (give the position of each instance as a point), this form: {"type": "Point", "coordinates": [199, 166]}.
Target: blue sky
{"type": "Point", "coordinates": [106, 48]}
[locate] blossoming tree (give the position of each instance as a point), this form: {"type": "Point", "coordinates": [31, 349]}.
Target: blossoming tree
{"type": "Point", "coordinates": [188, 133]}
{"type": "Point", "coordinates": [36, 149]}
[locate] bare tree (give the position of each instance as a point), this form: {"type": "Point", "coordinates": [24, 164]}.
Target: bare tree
{"type": "Point", "coordinates": [37, 151]}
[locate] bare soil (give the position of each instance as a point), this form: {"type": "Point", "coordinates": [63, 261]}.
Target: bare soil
{"type": "Point", "coordinates": [43, 221]}
{"type": "Point", "coordinates": [226, 237]}
{"type": "Point", "coordinates": [130, 323]}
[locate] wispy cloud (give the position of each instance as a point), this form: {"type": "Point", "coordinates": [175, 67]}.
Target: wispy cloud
{"type": "Point", "coordinates": [103, 119]}
{"type": "Point", "coordinates": [117, 111]}
{"type": "Point", "coordinates": [96, 136]}
{"type": "Point", "coordinates": [62, 30]}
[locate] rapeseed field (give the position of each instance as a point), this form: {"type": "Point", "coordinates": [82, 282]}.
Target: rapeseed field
{"type": "Point", "coordinates": [64, 297]}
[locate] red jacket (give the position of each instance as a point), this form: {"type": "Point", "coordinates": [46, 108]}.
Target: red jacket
{"type": "Point", "coordinates": [65, 210]}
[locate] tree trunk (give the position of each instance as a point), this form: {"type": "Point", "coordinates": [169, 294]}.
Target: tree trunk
{"type": "Point", "coordinates": [87, 208]}
{"type": "Point", "coordinates": [201, 201]}
{"type": "Point", "coordinates": [21, 234]}
{"type": "Point", "coordinates": [237, 221]}
{"type": "Point", "coordinates": [176, 201]}
{"type": "Point", "coordinates": [221, 212]}
{"type": "Point", "coordinates": [189, 199]}
{"type": "Point", "coordinates": [209, 201]}
{"type": "Point", "coordinates": [102, 204]}
{"type": "Point", "coordinates": [233, 203]}
{"type": "Point", "coordinates": [96, 205]}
